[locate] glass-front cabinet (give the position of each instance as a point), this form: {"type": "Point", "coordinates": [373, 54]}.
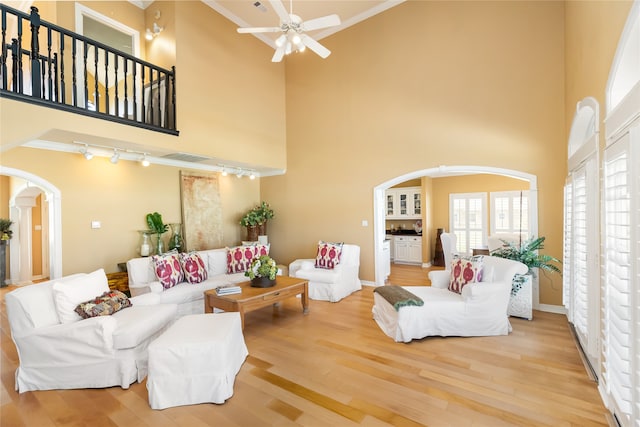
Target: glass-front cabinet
{"type": "Point", "coordinates": [404, 203]}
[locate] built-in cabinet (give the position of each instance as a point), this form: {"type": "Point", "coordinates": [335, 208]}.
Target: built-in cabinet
{"type": "Point", "coordinates": [407, 249]}
{"type": "Point", "coordinates": [403, 203]}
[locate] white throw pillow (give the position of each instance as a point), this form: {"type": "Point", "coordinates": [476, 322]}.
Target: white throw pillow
{"type": "Point", "coordinates": [68, 294]}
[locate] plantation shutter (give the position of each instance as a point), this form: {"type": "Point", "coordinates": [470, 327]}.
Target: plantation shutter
{"type": "Point", "coordinates": [567, 299]}
{"type": "Point", "coordinates": [621, 329]}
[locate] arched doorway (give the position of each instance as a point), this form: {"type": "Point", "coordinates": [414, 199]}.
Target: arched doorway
{"type": "Point", "coordinates": [51, 201]}
{"type": "Point", "coordinates": [443, 171]}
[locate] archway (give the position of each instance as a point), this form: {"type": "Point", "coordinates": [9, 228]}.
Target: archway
{"type": "Point", "coordinates": [52, 198]}
{"type": "Point", "coordinates": [443, 171]}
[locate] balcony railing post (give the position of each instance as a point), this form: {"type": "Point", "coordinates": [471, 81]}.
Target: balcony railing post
{"type": "Point", "coordinates": [36, 87]}
{"type": "Point", "coordinates": [15, 58]}
{"type": "Point", "coordinates": [3, 70]}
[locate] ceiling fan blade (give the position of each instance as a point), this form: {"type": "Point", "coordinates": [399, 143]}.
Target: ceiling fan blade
{"type": "Point", "coordinates": [278, 7]}
{"type": "Point", "coordinates": [322, 51]}
{"type": "Point", "coordinates": [324, 22]}
{"type": "Point", "coordinates": [277, 57]}
{"type": "Point", "coordinates": [252, 30]}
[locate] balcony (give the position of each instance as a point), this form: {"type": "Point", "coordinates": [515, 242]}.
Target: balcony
{"type": "Point", "coordinates": [67, 71]}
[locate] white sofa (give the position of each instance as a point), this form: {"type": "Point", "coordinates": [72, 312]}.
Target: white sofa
{"type": "Point", "coordinates": [330, 285]}
{"type": "Point", "coordinates": [480, 310]}
{"type": "Point", "coordinates": [189, 297]}
{"type": "Point", "coordinates": [97, 352]}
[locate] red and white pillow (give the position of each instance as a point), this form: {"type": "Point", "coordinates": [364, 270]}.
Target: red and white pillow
{"type": "Point", "coordinates": [193, 267]}
{"type": "Point", "coordinates": [328, 255]}
{"type": "Point", "coordinates": [239, 257]}
{"type": "Point", "coordinates": [167, 268]}
{"type": "Point", "coordinates": [465, 271]}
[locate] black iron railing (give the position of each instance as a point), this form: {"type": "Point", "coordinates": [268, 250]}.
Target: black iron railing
{"type": "Point", "coordinates": [81, 75]}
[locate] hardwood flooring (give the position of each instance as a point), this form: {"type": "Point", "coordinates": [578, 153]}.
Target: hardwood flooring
{"type": "Point", "coordinates": [334, 367]}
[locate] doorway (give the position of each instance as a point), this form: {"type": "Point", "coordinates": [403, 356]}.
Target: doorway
{"type": "Point", "coordinates": [20, 212]}
{"type": "Point", "coordinates": [445, 171]}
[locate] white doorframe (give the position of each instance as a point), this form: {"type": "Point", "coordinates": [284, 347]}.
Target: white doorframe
{"type": "Point", "coordinates": [438, 172]}
{"type": "Point", "coordinates": [54, 206]}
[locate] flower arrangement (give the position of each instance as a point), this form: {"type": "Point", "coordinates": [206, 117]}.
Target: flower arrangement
{"type": "Point", "coordinates": [257, 216]}
{"type": "Point", "coordinates": [262, 266]}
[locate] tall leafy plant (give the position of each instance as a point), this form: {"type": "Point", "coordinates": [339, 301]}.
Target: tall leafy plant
{"type": "Point", "coordinates": [157, 227]}
{"type": "Point", "coordinates": [527, 253]}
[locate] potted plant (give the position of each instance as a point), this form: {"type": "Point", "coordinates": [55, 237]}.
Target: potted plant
{"type": "Point", "coordinates": [157, 227]}
{"type": "Point", "coordinates": [262, 272]}
{"type": "Point", "coordinates": [527, 253]}
{"type": "Point", "coordinates": [256, 221]}
{"type": "Point", "coordinates": [5, 236]}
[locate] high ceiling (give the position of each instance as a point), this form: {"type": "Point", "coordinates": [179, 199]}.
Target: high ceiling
{"type": "Point", "coordinates": [259, 13]}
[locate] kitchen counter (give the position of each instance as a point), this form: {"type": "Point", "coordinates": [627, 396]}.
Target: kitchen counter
{"type": "Point", "coordinates": [403, 233]}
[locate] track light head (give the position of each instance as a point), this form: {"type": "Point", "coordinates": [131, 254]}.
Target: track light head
{"type": "Point", "coordinates": [86, 153]}
{"type": "Point", "coordinates": [115, 157]}
{"type": "Point", "coordinates": [144, 162]}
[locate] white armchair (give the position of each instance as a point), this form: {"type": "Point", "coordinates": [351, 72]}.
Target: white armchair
{"type": "Point", "coordinates": [480, 310]}
{"type": "Point", "coordinates": [334, 284]}
{"type": "Point", "coordinates": [97, 352]}
{"type": "Point", "coordinates": [448, 241]}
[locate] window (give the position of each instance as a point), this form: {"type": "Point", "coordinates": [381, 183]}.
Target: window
{"type": "Point", "coordinates": [510, 212]}
{"type": "Point", "coordinates": [468, 220]}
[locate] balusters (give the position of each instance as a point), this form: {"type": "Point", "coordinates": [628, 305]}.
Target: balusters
{"type": "Point", "coordinates": [106, 80]}
{"type": "Point", "coordinates": [96, 94]}
{"type": "Point", "coordinates": [50, 80]}
{"type": "Point", "coordinates": [3, 60]}
{"type": "Point", "coordinates": [147, 97]}
{"type": "Point", "coordinates": [63, 95]}
{"type": "Point", "coordinates": [36, 89]}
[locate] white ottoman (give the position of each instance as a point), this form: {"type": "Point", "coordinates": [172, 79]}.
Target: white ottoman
{"type": "Point", "coordinates": [196, 360]}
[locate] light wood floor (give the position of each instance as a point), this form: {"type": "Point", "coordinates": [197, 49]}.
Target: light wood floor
{"type": "Point", "coordinates": [334, 367]}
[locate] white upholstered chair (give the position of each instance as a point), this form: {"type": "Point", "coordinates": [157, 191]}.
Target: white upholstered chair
{"type": "Point", "coordinates": [479, 310]}
{"type": "Point", "coordinates": [449, 249]}
{"type": "Point", "coordinates": [334, 284]}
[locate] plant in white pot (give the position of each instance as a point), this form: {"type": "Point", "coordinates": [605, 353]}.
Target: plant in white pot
{"type": "Point", "coordinates": [527, 253]}
{"type": "Point", "coordinates": [5, 236]}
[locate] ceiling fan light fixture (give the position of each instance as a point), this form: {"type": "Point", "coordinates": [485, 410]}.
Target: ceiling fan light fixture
{"type": "Point", "coordinates": [296, 39]}
{"type": "Point", "coordinates": [280, 41]}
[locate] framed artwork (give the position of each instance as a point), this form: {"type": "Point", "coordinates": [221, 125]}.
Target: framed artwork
{"type": "Point", "coordinates": [201, 211]}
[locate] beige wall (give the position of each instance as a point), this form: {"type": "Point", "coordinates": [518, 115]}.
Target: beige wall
{"type": "Point", "coordinates": [119, 196]}
{"type": "Point", "coordinates": [421, 85]}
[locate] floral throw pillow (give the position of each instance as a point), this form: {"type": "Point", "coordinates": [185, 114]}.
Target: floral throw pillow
{"type": "Point", "coordinates": [465, 271]}
{"type": "Point", "coordinates": [167, 268]}
{"type": "Point", "coordinates": [103, 305]}
{"type": "Point", "coordinates": [193, 267]}
{"type": "Point", "coordinates": [328, 255]}
{"type": "Point", "coordinates": [239, 257]}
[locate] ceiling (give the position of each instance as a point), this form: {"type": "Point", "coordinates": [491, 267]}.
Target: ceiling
{"type": "Point", "coordinates": [259, 13]}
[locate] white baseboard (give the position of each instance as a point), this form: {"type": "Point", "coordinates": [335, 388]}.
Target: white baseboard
{"type": "Point", "coordinates": [426, 265]}
{"type": "Point", "coordinates": [549, 308]}
{"type": "Point", "coordinates": [368, 283]}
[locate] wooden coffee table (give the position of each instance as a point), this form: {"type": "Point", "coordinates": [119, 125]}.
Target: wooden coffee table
{"type": "Point", "coordinates": [254, 298]}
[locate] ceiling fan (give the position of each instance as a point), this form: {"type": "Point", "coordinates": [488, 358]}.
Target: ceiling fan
{"type": "Point", "coordinates": [293, 28]}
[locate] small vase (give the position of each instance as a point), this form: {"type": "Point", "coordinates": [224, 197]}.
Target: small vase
{"type": "Point", "coordinates": [145, 243]}
{"type": "Point", "coordinates": [159, 244]}
{"type": "Point", "coordinates": [262, 282]}
{"type": "Point", "coordinates": [175, 241]}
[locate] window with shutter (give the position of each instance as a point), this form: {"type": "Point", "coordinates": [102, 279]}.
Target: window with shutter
{"type": "Point", "coordinates": [567, 256]}
{"type": "Point", "coordinates": [468, 213]}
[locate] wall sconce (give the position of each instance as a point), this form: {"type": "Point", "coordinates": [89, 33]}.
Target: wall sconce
{"type": "Point", "coordinates": [153, 33]}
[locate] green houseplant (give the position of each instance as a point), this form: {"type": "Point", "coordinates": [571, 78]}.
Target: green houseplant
{"type": "Point", "coordinates": [5, 236]}
{"type": "Point", "coordinates": [157, 227]}
{"type": "Point", "coordinates": [527, 253]}
{"type": "Point", "coordinates": [256, 220]}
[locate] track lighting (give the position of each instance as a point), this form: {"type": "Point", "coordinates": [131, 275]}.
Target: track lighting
{"type": "Point", "coordinates": [144, 162]}
{"type": "Point", "coordinates": [115, 157]}
{"type": "Point", "coordinates": [252, 176]}
{"type": "Point", "coordinates": [239, 173]}
{"type": "Point", "coordinates": [86, 153]}
{"type": "Point", "coordinates": [224, 172]}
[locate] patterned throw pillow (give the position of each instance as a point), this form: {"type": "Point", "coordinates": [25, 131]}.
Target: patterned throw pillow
{"type": "Point", "coordinates": [239, 257]}
{"type": "Point", "coordinates": [465, 271]}
{"type": "Point", "coordinates": [328, 255]}
{"type": "Point", "coordinates": [104, 305]}
{"type": "Point", "coordinates": [167, 269]}
{"type": "Point", "coordinates": [193, 267]}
